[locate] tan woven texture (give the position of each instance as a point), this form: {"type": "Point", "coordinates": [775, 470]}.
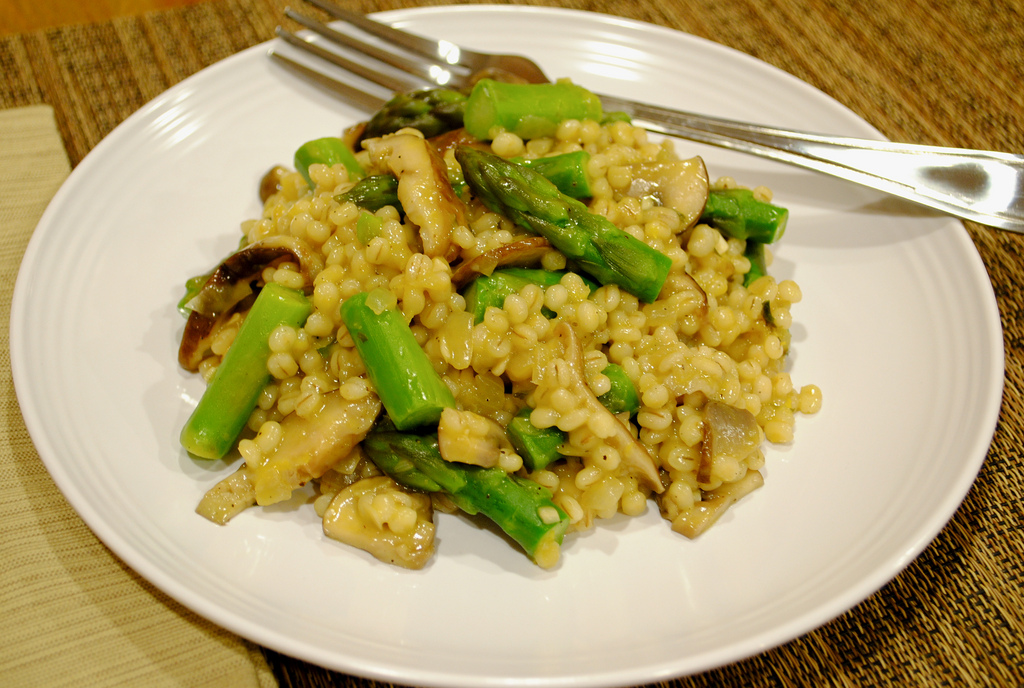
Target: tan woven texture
{"type": "Point", "coordinates": [945, 72]}
{"type": "Point", "coordinates": [73, 614]}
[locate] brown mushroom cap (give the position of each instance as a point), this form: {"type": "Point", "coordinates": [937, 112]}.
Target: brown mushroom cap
{"type": "Point", "coordinates": [270, 184]}
{"type": "Point", "coordinates": [679, 184]}
{"type": "Point", "coordinates": [229, 287]}
{"type": "Point", "coordinates": [520, 253]}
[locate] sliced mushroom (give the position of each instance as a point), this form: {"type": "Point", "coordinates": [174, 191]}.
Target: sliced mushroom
{"type": "Point", "coordinates": [679, 184]}
{"type": "Point", "coordinates": [456, 137]}
{"type": "Point", "coordinates": [467, 437]}
{"type": "Point", "coordinates": [352, 136]}
{"type": "Point", "coordinates": [423, 188]}
{"type": "Point", "coordinates": [524, 252]}
{"type": "Point", "coordinates": [729, 433]}
{"type": "Point", "coordinates": [231, 283]}
{"type": "Point", "coordinates": [270, 184]}
{"type": "Point", "coordinates": [310, 446]}
{"type": "Point", "coordinates": [378, 516]}
{"type": "Point", "coordinates": [633, 454]}
{"type": "Point", "coordinates": [228, 498]}
{"type": "Point", "coordinates": [200, 331]}
{"type": "Point", "coordinates": [702, 515]}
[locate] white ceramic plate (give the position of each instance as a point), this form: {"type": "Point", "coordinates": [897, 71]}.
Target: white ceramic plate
{"type": "Point", "coordinates": [898, 326]}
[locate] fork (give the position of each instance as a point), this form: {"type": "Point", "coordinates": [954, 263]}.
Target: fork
{"type": "Point", "coordinates": [982, 186]}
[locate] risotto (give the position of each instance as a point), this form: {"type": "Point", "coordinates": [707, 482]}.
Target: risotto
{"type": "Point", "coordinates": [570, 397]}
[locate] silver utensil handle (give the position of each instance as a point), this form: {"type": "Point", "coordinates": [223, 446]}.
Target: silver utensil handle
{"type": "Point", "coordinates": [982, 186]}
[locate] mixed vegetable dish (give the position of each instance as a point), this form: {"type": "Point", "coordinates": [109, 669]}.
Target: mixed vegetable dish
{"type": "Point", "coordinates": [506, 303]}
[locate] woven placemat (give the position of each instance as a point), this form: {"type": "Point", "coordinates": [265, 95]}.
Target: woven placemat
{"type": "Point", "coordinates": [943, 72]}
{"type": "Point", "coordinates": [73, 614]}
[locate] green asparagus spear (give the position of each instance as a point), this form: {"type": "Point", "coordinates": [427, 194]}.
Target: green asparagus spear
{"type": "Point", "coordinates": [527, 110]}
{"type": "Point", "coordinates": [521, 508]}
{"type": "Point", "coordinates": [622, 397]}
{"type": "Point", "coordinates": [231, 396]}
{"type": "Point", "coordinates": [567, 171]}
{"type": "Point", "coordinates": [433, 111]}
{"type": "Point", "coordinates": [329, 150]}
{"type": "Point", "coordinates": [397, 464]}
{"type": "Point", "coordinates": [736, 213]}
{"type": "Point", "coordinates": [408, 386]}
{"type": "Point", "coordinates": [368, 227]}
{"type": "Point", "coordinates": [492, 290]}
{"type": "Point", "coordinates": [601, 249]}
{"type": "Point", "coordinates": [538, 447]}
{"type": "Point", "coordinates": [755, 254]}
{"type": "Point", "coordinates": [373, 193]}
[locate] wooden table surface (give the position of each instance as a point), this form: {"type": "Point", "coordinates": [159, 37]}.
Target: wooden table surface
{"type": "Point", "coordinates": [23, 16]}
{"type": "Point", "coordinates": [946, 72]}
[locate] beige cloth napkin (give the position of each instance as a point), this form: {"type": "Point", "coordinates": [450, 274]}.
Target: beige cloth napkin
{"type": "Point", "coordinates": [71, 613]}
